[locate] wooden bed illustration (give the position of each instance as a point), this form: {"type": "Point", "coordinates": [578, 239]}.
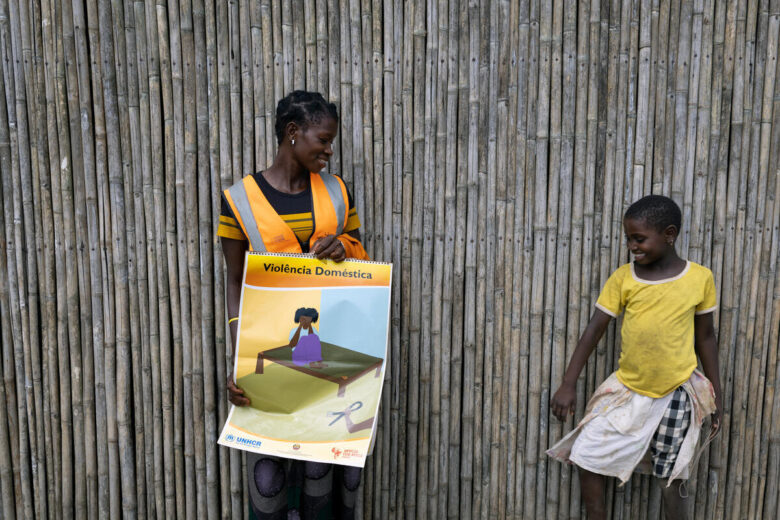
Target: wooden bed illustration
{"type": "Point", "coordinates": [343, 366]}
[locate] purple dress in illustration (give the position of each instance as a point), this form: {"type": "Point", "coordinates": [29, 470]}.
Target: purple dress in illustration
{"type": "Point", "coordinates": [306, 349]}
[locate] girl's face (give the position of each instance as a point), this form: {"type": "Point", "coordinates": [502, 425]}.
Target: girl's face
{"type": "Point", "coordinates": [313, 143]}
{"type": "Point", "coordinates": [645, 242]}
{"type": "Point", "coordinates": [305, 321]}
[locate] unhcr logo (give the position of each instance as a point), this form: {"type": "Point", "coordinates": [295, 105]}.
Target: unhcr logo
{"type": "Point", "coordinates": [243, 441]}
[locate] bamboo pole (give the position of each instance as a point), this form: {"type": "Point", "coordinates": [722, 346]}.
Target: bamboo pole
{"type": "Point", "coordinates": [508, 134]}
{"type": "Point", "coordinates": [504, 188]}
{"type": "Point", "coordinates": [46, 284]}
{"type": "Point", "coordinates": [424, 155]}
{"type": "Point", "coordinates": [11, 479]}
{"type": "Point", "coordinates": [147, 269]}
{"type": "Point", "coordinates": [203, 251]}
{"type": "Point", "coordinates": [128, 94]}
{"type": "Point", "coordinates": [118, 381]}
{"type": "Point", "coordinates": [59, 390]}
{"type": "Point", "coordinates": [26, 358]}
{"type": "Point", "coordinates": [45, 248]}
{"type": "Point", "coordinates": [188, 249]}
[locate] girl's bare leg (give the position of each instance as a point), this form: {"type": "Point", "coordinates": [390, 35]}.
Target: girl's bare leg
{"type": "Point", "coordinates": [592, 487]}
{"type": "Point", "coordinates": [675, 506]}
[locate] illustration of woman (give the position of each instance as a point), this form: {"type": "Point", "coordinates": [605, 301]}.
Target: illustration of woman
{"type": "Point", "coordinates": [305, 343]}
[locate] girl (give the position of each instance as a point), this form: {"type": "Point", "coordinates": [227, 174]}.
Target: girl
{"type": "Point", "coordinates": [647, 415]}
{"type": "Point", "coordinates": [293, 208]}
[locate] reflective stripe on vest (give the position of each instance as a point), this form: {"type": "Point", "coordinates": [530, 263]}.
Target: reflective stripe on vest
{"type": "Point", "coordinates": [243, 212]}
{"type": "Point", "coordinates": [333, 186]}
{"type": "Point", "coordinates": [267, 231]}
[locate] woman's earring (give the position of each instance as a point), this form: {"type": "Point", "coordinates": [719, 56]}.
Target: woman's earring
{"type": "Point", "coordinates": [292, 142]}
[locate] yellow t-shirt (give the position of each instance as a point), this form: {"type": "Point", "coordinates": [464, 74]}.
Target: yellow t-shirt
{"type": "Point", "coordinates": [658, 352]}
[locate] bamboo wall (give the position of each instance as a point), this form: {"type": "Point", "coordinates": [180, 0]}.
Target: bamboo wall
{"type": "Point", "coordinates": [492, 148]}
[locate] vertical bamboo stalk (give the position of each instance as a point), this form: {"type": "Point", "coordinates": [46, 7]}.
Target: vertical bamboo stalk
{"type": "Point", "coordinates": [147, 270]}
{"type": "Point", "coordinates": [437, 75]}
{"type": "Point", "coordinates": [309, 61]}
{"type": "Point", "coordinates": [156, 223]}
{"type": "Point", "coordinates": [486, 228]}
{"type": "Point", "coordinates": [424, 151]}
{"type": "Point", "coordinates": [46, 281]}
{"type": "Point", "coordinates": [526, 121]}
{"type": "Point", "coordinates": [25, 175]}
{"type": "Point", "coordinates": [90, 288]}
{"type": "Point", "coordinates": [117, 377]}
{"type": "Point", "coordinates": [533, 506]}
{"type": "Point", "coordinates": [732, 263]}
{"type": "Point", "coordinates": [388, 234]}
{"type": "Point", "coordinates": [6, 464]}
{"type": "Point", "coordinates": [70, 145]}
{"type": "Point", "coordinates": [245, 50]}
{"type": "Point", "coordinates": [60, 381]}
{"type": "Point", "coordinates": [16, 492]}
{"type": "Point", "coordinates": [198, 69]}
{"type": "Point", "coordinates": [502, 452]}
{"type": "Point", "coordinates": [128, 96]}
{"type": "Point", "coordinates": [668, 157]}
{"type": "Point", "coordinates": [504, 188]}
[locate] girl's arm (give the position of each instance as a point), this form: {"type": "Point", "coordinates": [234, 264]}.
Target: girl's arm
{"type": "Point", "coordinates": [565, 398]}
{"type": "Point", "coordinates": [707, 349]}
{"type": "Point", "coordinates": [234, 250]}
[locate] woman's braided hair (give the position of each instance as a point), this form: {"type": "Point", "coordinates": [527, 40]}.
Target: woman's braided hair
{"type": "Point", "coordinates": [302, 108]}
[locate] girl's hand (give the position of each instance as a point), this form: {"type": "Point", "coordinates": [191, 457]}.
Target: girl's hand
{"type": "Point", "coordinates": [715, 427]}
{"type": "Point", "coordinates": [716, 418]}
{"type": "Point", "coordinates": [330, 247]}
{"type": "Point", "coordinates": [564, 400]}
{"type": "Point", "coordinates": [236, 395]}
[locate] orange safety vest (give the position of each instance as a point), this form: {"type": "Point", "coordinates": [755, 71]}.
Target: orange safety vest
{"type": "Point", "coordinates": [265, 229]}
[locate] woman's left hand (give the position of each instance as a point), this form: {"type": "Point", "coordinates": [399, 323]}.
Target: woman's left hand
{"type": "Point", "coordinates": [330, 247]}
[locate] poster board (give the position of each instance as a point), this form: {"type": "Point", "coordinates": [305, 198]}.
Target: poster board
{"type": "Point", "coordinates": [311, 357]}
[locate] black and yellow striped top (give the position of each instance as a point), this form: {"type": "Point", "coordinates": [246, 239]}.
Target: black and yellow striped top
{"type": "Point", "coordinates": [295, 210]}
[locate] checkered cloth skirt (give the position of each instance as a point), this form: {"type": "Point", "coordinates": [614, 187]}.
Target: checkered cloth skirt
{"type": "Point", "coordinates": [670, 433]}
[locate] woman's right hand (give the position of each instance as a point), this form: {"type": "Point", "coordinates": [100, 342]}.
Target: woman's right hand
{"type": "Point", "coordinates": [564, 400]}
{"type": "Point", "coordinates": [236, 394]}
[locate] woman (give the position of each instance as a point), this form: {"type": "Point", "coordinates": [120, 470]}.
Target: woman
{"type": "Point", "coordinates": [291, 208]}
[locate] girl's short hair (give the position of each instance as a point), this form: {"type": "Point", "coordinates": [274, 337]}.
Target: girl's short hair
{"type": "Point", "coordinates": [302, 108]}
{"type": "Point", "coordinates": [657, 211]}
{"type": "Point", "coordinates": [307, 311]}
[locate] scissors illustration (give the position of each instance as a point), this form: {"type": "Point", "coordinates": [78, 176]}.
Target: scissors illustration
{"type": "Point", "coordinates": [357, 405]}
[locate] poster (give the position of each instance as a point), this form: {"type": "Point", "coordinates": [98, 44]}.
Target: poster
{"type": "Point", "coordinates": [311, 357]}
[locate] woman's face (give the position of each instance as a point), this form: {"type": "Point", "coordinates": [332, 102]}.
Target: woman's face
{"type": "Point", "coordinates": [313, 143]}
{"type": "Point", "coordinates": [305, 321]}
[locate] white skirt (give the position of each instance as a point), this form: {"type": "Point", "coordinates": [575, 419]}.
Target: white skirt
{"type": "Point", "coordinates": [614, 436]}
